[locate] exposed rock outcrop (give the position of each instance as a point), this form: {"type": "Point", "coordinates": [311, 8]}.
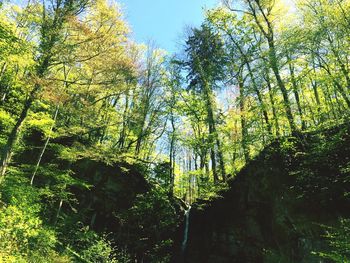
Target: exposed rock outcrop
{"type": "Point", "coordinates": [275, 208]}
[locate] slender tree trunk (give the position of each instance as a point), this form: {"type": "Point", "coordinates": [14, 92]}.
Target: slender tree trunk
{"type": "Point", "coordinates": [93, 219]}
{"type": "Point", "coordinates": [260, 99]}
{"type": "Point", "coordinates": [3, 69]}
{"type": "Point", "coordinates": [195, 161]}
{"type": "Point", "coordinates": [207, 170]}
{"type": "Point", "coordinates": [243, 120]}
{"type": "Point", "coordinates": [328, 100]}
{"type": "Point", "coordinates": [313, 115]}
{"type": "Point", "coordinates": [5, 90]}
{"type": "Point", "coordinates": [121, 140]}
{"type": "Point", "coordinates": [273, 105]}
{"type": "Point", "coordinates": [280, 83]}
{"type": "Point", "coordinates": [314, 86]}
{"type": "Point", "coordinates": [211, 126]}
{"type": "Point", "coordinates": [45, 146]}
{"type": "Point", "coordinates": [255, 86]}
{"type": "Point", "coordinates": [215, 138]}
{"type": "Point", "coordinates": [58, 211]}
{"type": "Point", "coordinates": [296, 93]}
{"type": "Point", "coordinates": [317, 99]}
{"type": "Point", "coordinates": [340, 62]}
{"type": "Point", "coordinates": [268, 32]}
{"type": "Point", "coordinates": [221, 158]}
{"type": "Point", "coordinates": [342, 92]}
{"type": "Point", "coordinates": [213, 165]}
{"type": "Point", "coordinates": [189, 169]}
{"type": "Point", "coordinates": [337, 85]}
{"type": "Point", "coordinates": [141, 133]}
{"type": "Point", "coordinates": [172, 156]}
{"type": "Point", "coordinates": [234, 153]}
{"type": "Point", "coordinates": [13, 137]}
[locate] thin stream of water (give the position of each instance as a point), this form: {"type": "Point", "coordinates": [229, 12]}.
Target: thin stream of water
{"type": "Point", "coordinates": [187, 223]}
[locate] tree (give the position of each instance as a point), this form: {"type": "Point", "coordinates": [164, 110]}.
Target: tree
{"type": "Point", "coordinates": [205, 61]}
{"type": "Point", "coordinates": [51, 37]}
{"type": "Point", "coordinates": [262, 14]}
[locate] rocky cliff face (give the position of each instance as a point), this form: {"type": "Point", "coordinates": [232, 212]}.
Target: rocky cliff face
{"type": "Point", "coordinates": [87, 192]}
{"type": "Point", "coordinates": [276, 207]}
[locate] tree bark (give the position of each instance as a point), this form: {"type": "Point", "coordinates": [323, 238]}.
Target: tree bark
{"type": "Point", "coordinates": [280, 83]}
{"type": "Point", "coordinates": [172, 156]}
{"type": "Point", "coordinates": [268, 33]}
{"type": "Point", "coordinates": [243, 120]}
{"type": "Point", "coordinates": [272, 101]}
{"type": "Point", "coordinates": [260, 98]}
{"type": "Point", "coordinates": [296, 93]}
{"type": "Point", "coordinates": [13, 137]}
{"type": "Point", "coordinates": [213, 134]}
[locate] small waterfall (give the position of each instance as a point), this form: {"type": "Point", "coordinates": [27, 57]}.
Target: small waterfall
{"type": "Point", "coordinates": [187, 223]}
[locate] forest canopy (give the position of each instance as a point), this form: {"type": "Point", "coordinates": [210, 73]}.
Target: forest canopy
{"type": "Point", "coordinates": [74, 85]}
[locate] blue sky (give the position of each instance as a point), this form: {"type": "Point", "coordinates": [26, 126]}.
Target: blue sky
{"type": "Point", "coordinates": [163, 21]}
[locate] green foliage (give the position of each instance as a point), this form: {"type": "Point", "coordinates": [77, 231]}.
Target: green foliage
{"type": "Point", "coordinates": [149, 224]}
{"type": "Point", "coordinates": [6, 121]}
{"type": "Point", "coordinates": [162, 174]}
{"type": "Point", "coordinates": [185, 124]}
{"type": "Point", "coordinates": [19, 232]}
{"type": "Point", "coordinates": [289, 146]}
{"type": "Point", "coordinates": [23, 236]}
{"type": "Point", "coordinates": [93, 248]}
{"type": "Point", "coordinates": [338, 239]}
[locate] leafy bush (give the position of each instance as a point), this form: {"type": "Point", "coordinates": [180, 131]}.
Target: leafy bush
{"type": "Point", "coordinates": [94, 248]}
{"type": "Point", "coordinates": [23, 237]}
{"type": "Point", "coordinates": [339, 242]}
{"type": "Point", "coordinates": [146, 226]}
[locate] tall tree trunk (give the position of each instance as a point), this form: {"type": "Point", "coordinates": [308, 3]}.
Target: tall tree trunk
{"type": "Point", "coordinates": [255, 86]}
{"type": "Point", "coordinates": [172, 156]}
{"type": "Point", "coordinates": [122, 138]}
{"type": "Point", "coordinates": [221, 158]}
{"type": "Point", "coordinates": [3, 69]}
{"type": "Point", "coordinates": [141, 134]}
{"type": "Point", "coordinates": [314, 86]}
{"type": "Point", "coordinates": [45, 146]}
{"type": "Point", "coordinates": [260, 99]}
{"type": "Point", "coordinates": [336, 83]}
{"type": "Point", "coordinates": [272, 101]}
{"type": "Point", "coordinates": [296, 93]}
{"type": "Point", "coordinates": [280, 83]}
{"type": "Point", "coordinates": [243, 120]}
{"type": "Point", "coordinates": [213, 134]}
{"type": "Point", "coordinates": [234, 153]}
{"type": "Point", "coordinates": [13, 137]}
{"type": "Point", "coordinates": [58, 211]}
{"type": "Point", "coordinates": [5, 89]}
{"type": "Point", "coordinates": [256, 7]}
{"type": "Point", "coordinates": [211, 126]}
{"type": "Point", "coordinates": [340, 89]}
{"type": "Point", "coordinates": [328, 100]}
{"type": "Point", "coordinates": [213, 164]}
